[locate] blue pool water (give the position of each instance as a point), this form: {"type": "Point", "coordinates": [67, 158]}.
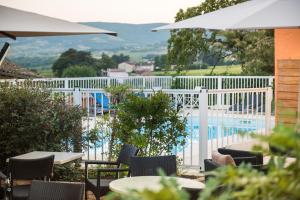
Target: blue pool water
{"type": "Point", "coordinates": [228, 126]}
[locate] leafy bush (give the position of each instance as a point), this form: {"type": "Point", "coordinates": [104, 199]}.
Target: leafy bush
{"type": "Point", "coordinates": [31, 119]}
{"type": "Point", "coordinates": [151, 124]}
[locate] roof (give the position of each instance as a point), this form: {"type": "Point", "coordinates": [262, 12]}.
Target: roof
{"type": "Point", "coordinates": [9, 70]}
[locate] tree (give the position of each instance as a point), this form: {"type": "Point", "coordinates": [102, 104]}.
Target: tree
{"type": "Point", "coordinates": [160, 61]}
{"type": "Point", "coordinates": [120, 58]}
{"type": "Point", "coordinates": [79, 71]}
{"type": "Point", "coordinates": [105, 62]}
{"type": "Point", "coordinates": [72, 57]}
{"type": "Point", "coordinates": [259, 53]}
{"type": "Point", "coordinates": [185, 46]}
{"type": "Point", "coordinates": [32, 119]}
{"type": "Point", "coordinates": [151, 124]}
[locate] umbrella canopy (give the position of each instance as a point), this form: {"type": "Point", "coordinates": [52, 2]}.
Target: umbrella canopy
{"type": "Point", "coordinates": [17, 23]}
{"type": "Point", "coordinates": [255, 14]}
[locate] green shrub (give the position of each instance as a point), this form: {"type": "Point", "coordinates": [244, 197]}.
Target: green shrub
{"type": "Point", "coordinates": [151, 124]}
{"type": "Point", "coordinates": [31, 119]}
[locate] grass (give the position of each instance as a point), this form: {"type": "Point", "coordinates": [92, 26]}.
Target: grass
{"type": "Point", "coordinates": [46, 73]}
{"type": "Point", "coordinates": [219, 70]}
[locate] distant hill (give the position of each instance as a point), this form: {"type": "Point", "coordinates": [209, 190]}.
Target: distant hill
{"type": "Point", "coordinates": [134, 39]}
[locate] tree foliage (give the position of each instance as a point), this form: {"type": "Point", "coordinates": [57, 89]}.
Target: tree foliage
{"type": "Point", "coordinates": [33, 120]}
{"type": "Point", "coordinates": [79, 71]}
{"type": "Point", "coordinates": [72, 57]}
{"type": "Point", "coordinates": [161, 61]}
{"type": "Point", "coordinates": [105, 62]}
{"type": "Point", "coordinates": [252, 49]}
{"type": "Point", "coordinates": [120, 58]}
{"type": "Point", "coordinates": [152, 124]}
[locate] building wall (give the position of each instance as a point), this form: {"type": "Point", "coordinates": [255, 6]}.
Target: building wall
{"type": "Point", "coordinates": [126, 66]}
{"type": "Point", "coordinates": [287, 74]}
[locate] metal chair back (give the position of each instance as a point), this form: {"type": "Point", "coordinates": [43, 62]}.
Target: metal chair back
{"type": "Point", "coordinates": [127, 151]}
{"type": "Point", "coordinates": [31, 168]}
{"type": "Point", "coordinates": [56, 191]}
{"type": "Point", "coordinates": [148, 166]}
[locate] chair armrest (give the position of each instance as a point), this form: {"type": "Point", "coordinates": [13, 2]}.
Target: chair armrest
{"type": "Point", "coordinates": [113, 170]}
{"type": "Point", "coordinates": [252, 160]}
{"type": "Point", "coordinates": [99, 162]}
{"type": "Point", "coordinates": [241, 153]}
{"type": "Point", "coordinates": [116, 170]}
{"type": "Point", "coordinates": [2, 176]}
{"type": "Point", "coordinates": [210, 165]}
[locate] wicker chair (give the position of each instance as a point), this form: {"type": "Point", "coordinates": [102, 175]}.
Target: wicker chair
{"type": "Point", "coordinates": [100, 186]}
{"type": "Point", "coordinates": [148, 166]}
{"type": "Point", "coordinates": [239, 156]}
{"type": "Point", "coordinates": [40, 190]}
{"type": "Point", "coordinates": [28, 169]}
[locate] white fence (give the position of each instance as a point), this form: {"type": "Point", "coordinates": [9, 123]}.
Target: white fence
{"type": "Point", "coordinates": [215, 118]}
{"type": "Point", "coordinates": [149, 82]}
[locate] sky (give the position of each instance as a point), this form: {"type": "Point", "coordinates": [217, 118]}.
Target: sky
{"type": "Point", "coordinates": [125, 11]}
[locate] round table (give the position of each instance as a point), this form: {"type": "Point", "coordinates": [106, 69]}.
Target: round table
{"type": "Point", "coordinates": [123, 185]}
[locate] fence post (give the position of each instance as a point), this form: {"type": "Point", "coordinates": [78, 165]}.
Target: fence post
{"type": "Point", "coordinates": [144, 83]}
{"type": "Point", "coordinates": [203, 128]}
{"type": "Point", "coordinates": [108, 82]}
{"type": "Point", "coordinates": [268, 109]}
{"type": "Point", "coordinates": [270, 82]}
{"type": "Point", "coordinates": [219, 95]}
{"type": "Point", "coordinates": [66, 83]}
{"type": "Point", "coordinates": [77, 97]}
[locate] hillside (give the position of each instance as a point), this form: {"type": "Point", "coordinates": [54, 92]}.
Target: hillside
{"type": "Point", "coordinates": [134, 39]}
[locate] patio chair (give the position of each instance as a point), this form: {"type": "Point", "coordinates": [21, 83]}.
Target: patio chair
{"type": "Point", "coordinates": [148, 166]}
{"type": "Point", "coordinates": [240, 156]}
{"type": "Point", "coordinates": [28, 169]}
{"type": "Point", "coordinates": [40, 190]}
{"type": "Point", "coordinates": [233, 157]}
{"type": "Point", "coordinates": [100, 186]}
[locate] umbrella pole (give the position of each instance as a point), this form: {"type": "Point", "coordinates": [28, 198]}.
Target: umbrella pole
{"type": "Point", "coordinates": [3, 52]}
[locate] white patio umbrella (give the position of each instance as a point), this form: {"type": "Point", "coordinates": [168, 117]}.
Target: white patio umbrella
{"type": "Point", "coordinates": [17, 23]}
{"type": "Point", "coordinates": [254, 14]}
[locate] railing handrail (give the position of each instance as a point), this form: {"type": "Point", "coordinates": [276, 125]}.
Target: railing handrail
{"type": "Point", "coordinates": [133, 77]}
{"type": "Point", "coordinates": [190, 91]}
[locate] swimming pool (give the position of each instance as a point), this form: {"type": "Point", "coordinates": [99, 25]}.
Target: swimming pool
{"type": "Point", "coordinates": [225, 126]}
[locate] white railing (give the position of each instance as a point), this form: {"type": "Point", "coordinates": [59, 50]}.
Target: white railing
{"type": "Point", "coordinates": [215, 118]}
{"type": "Point", "coordinates": [148, 82]}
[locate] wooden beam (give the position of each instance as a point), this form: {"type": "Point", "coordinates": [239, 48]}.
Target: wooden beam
{"type": "Point", "coordinates": [8, 35]}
